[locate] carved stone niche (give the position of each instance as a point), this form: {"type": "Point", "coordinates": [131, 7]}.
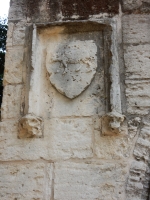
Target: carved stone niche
{"type": "Point", "coordinates": [71, 54]}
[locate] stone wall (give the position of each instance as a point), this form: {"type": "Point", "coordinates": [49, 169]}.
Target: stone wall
{"type": "Point", "coordinates": [75, 113]}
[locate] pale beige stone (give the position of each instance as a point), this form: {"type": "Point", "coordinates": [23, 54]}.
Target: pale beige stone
{"type": "Point", "coordinates": [19, 34]}
{"type": "Point", "coordinates": [17, 10]}
{"type": "Point", "coordinates": [69, 138]}
{"type": "Point", "coordinates": [136, 28]}
{"type": "Point", "coordinates": [138, 96]}
{"type": "Point", "coordinates": [14, 66]}
{"type": "Point", "coordinates": [25, 181]}
{"type": "Point", "coordinates": [104, 181]}
{"type": "Point", "coordinates": [10, 34]}
{"type": "Point", "coordinates": [137, 59]}
{"type": "Point", "coordinates": [112, 147]}
{"type": "Point", "coordinates": [11, 106]}
{"type": "Point", "coordinates": [72, 66]}
{"type": "Point", "coordinates": [111, 123]}
{"type": "Point", "coordinates": [30, 126]}
{"type": "Point", "coordinates": [63, 139]}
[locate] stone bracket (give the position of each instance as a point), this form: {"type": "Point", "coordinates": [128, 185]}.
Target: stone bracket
{"type": "Point", "coordinates": [30, 126]}
{"type": "Point", "coordinates": [111, 123]}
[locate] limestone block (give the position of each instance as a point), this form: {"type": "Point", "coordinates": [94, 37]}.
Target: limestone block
{"type": "Point", "coordinates": [27, 181]}
{"type": "Point", "coordinates": [142, 147]}
{"type": "Point", "coordinates": [137, 61]}
{"type": "Point", "coordinates": [11, 105]}
{"type": "Point", "coordinates": [133, 126]}
{"type": "Point", "coordinates": [135, 180]}
{"type": "Point", "coordinates": [131, 5]}
{"type": "Point", "coordinates": [112, 147]}
{"type": "Point", "coordinates": [17, 10]}
{"type": "Point", "coordinates": [63, 139]}
{"type": "Point", "coordinates": [105, 181]}
{"type": "Point", "coordinates": [136, 28]}
{"type": "Point", "coordinates": [10, 34]}
{"type": "Point", "coordinates": [30, 126]}
{"type": "Point", "coordinates": [19, 34]}
{"type": "Point", "coordinates": [13, 66]}
{"type": "Point", "coordinates": [138, 96]}
{"type": "Point", "coordinates": [69, 138]}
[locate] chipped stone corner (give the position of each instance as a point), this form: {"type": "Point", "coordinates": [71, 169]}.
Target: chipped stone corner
{"type": "Point", "coordinates": [112, 123]}
{"type": "Point", "coordinates": [30, 126]}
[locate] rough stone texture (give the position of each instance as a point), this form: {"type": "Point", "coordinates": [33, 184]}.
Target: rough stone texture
{"type": "Point", "coordinates": [72, 66]}
{"type": "Point", "coordinates": [25, 181]}
{"type": "Point", "coordinates": [10, 34]}
{"type": "Point", "coordinates": [89, 181]}
{"type": "Point", "coordinates": [30, 126]}
{"type": "Point", "coordinates": [139, 177]}
{"type": "Point", "coordinates": [85, 8]}
{"type": "Point", "coordinates": [63, 139]}
{"type": "Point", "coordinates": [11, 107]}
{"type": "Point", "coordinates": [111, 123]}
{"type": "Point", "coordinates": [88, 164]}
{"type": "Point", "coordinates": [19, 34]}
{"type": "Point", "coordinates": [136, 6]}
{"type": "Point", "coordinates": [135, 180]}
{"type": "Point", "coordinates": [138, 96]}
{"type": "Point", "coordinates": [137, 61]}
{"type": "Point", "coordinates": [14, 65]}
{"type": "Point", "coordinates": [136, 29]}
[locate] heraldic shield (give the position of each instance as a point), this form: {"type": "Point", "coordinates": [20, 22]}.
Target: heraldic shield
{"type": "Point", "coordinates": [72, 66]}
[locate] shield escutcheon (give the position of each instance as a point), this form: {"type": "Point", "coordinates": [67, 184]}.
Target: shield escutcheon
{"type": "Point", "coordinates": [72, 66]}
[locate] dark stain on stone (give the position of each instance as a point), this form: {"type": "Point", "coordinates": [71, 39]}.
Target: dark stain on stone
{"type": "Point", "coordinates": [33, 8]}
{"type": "Point", "coordinates": [54, 6]}
{"type": "Point", "coordinates": [143, 9]}
{"type": "Point", "coordinates": [84, 8]}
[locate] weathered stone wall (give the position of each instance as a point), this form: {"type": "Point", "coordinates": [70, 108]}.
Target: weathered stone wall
{"type": "Point", "coordinates": [61, 141]}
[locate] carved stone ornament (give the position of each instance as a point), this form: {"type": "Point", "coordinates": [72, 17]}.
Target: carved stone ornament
{"type": "Point", "coordinates": [30, 126]}
{"type": "Point", "coordinates": [111, 123]}
{"type": "Point", "coordinates": [72, 66]}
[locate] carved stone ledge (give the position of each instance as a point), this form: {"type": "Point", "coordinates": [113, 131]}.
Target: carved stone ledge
{"type": "Point", "coordinates": [30, 126]}
{"type": "Point", "coordinates": [112, 123]}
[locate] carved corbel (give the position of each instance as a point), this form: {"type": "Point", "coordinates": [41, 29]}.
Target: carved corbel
{"type": "Point", "coordinates": [111, 123]}
{"type": "Point", "coordinates": [30, 126]}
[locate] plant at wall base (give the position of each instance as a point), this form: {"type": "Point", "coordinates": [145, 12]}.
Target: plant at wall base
{"type": "Point", "coordinates": [3, 37]}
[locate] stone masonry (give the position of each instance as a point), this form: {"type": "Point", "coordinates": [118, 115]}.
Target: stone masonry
{"type": "Point", "coordinates": [75, 120]}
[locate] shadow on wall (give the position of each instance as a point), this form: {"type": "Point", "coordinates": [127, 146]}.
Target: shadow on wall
{"type": "Point", "coordinates": [3, 37]}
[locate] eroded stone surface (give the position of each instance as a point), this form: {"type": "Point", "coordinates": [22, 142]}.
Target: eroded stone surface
{"type": "Point", "coordinates": [89, 181]}
{"type": "Point", "coordinates": [30, 126]}
{"type": "Point", "coordinates": [135, 181]}
{"type": "Point", "coordinates": [137, 61]}
{"type": "Point", "coordinates": [27, 181]}
{"type": "Point", "coordinates": [11, 105]}
{"type": "Point", "coordinates": [138, 96]}
{"type": "Point", "coordinates": [136, 6]}
{"type": "Point", "coordinates": [63, 139]}
{"type": "Point", "coordinates": [133, 26]}
{"type": "Point", "coordinates": [72, 66]}
{"type": "Point", "coordinates": [14, 66]}
{"type": "Point", "coordinates": [111, 123]}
